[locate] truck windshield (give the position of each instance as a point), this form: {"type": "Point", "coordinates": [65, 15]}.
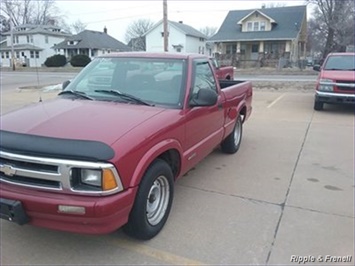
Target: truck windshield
{"type": "Point", "coordinates": [340, 62]}
{"type": "Point", "coordinates": [147, 80]}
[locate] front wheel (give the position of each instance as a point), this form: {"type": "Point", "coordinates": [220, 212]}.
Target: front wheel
{"type": "Point", "coordinates": [318, 105]}
{"type": "Point", "coordinates": [153, 202]}
{"type": "Point", "coordinates": [232, 143]}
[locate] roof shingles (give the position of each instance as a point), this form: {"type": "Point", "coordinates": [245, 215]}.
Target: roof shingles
{"type": "Point", "coordinates": [289, 21]}
{"type": "Point", "coordinates": [89, 39]}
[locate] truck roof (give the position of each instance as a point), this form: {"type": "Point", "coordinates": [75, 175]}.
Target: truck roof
{"type": "Point", "coordinates": [167, 55]}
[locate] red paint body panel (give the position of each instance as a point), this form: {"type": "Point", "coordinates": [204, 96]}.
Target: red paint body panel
{"type": "Point", "coordinates": [138, 134]}
{"type": "Point", "coordinates": [103, 214]}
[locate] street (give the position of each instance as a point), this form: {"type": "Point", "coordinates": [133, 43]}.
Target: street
{"type": "Point", "coordinates": [11, 80]}
{"type": "Point", "coordinates": [286, 196]}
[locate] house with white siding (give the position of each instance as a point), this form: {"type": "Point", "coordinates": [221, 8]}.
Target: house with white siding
{"type": "Point", "coordinates": [182, 38]}
{"type": "Point", "coordinates": [31, 43]}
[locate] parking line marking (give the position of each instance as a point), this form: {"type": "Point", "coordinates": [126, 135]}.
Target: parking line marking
{"type": "Point", "coordinates": [275, 101]}
{"type": "Point", "coordinates": [154, 253]}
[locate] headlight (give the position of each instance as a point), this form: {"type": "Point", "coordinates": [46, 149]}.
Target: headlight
{"type": "Point", "coordinates": [91, 177]}
{"type": "Point", "coordinates": [326, 85]}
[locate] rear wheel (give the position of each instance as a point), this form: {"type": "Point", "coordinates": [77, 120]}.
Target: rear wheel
{"type": "Point", "coordinates": [232, 143]}
{"type": "Point", "coordinates": [153, 202]}
{"type": "Point", "coordinates": [318, 105]}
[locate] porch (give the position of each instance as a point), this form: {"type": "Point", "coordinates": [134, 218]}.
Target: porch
{"type": "Point", "coordinates": [260, 53]}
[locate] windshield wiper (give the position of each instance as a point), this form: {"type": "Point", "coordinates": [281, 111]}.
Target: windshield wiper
{"type": "Point", "coordinates": [125, 96]}
{"type": "Point", "coordinates": [77, 93]}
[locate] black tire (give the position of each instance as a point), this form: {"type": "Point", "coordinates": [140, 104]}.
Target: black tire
{"type": "Point", "coordinates": [232, 143]}
{"type": "Point", "coordinates": [318, 106]}
{"type": "Point", "coordinates": [153, 202]}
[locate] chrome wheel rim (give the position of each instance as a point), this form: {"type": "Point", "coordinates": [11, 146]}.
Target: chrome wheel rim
{"type": "Point", "coordinates": [157, 200]}
{"type": "Point", "coordinates": [237, 132]}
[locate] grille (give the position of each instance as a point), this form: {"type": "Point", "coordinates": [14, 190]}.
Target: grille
{"type": "Point", "coordinates": [29, 165]}
{"type": "Point", "coordinates": [345, 85]}
{"type": "Point", "coordinates": [31, 182]}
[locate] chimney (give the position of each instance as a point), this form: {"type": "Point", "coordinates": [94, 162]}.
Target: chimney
{"type": "Point", "coordinates": [105, 30]}
{"type": "Point", "coordinates": [181, 22]}
{"type": "Point", "coordinates": [263, 6]}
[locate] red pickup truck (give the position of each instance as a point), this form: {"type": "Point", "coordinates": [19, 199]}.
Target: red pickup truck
{"type": "Point", "coordinates": [222, 72]}
{"type": "Point", "coordinates": [336, 80]}
{"type": "Point", "coordinates": [106, 151]}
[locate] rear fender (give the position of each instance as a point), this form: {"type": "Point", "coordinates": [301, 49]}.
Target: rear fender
{"type": "Point", "coordinates": [153, 153]}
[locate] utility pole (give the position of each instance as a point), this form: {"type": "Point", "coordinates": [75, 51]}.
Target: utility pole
{"type": "Point", "coordinates": [165, 25]}
{"type": "Point", "coordinates": [12, 46]}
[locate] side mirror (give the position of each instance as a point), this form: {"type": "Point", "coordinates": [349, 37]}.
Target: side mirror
{"type": "Point", "coordinates": [204, 97]}
{"type": "Point", "coordinates": [316, 68]}
{"type": "Point", "coordinates": [65, 84]}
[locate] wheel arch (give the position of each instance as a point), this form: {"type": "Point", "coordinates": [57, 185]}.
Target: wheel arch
{"type": "Point", "coordinates": [170, 151]}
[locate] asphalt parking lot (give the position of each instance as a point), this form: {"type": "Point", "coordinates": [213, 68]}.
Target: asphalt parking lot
{"type": "Point", "coordinates": [287, 196]}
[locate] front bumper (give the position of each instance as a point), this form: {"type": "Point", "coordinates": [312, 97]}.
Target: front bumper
{"type": "Point", "coordinates": [335, 98]}
{"type": "Point", "coordinates": [103, 214]}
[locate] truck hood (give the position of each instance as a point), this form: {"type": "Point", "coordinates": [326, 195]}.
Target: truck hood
{"type": "Point", "coordinates": [337, 75]}
{"type": "Point", "coordinates": [78, 119]}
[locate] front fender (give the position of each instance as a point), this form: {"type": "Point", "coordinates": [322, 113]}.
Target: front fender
{"type": "Point", "coordinates": [153, 153]}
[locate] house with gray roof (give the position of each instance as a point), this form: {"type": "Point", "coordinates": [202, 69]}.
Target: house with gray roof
{"type": "Point", "coordinates": [262, 36]}
{"type": "Point", "coordinates": [182, 38]}
{"type": "Point", "coordinates": [90, 43]}
{"type": "Point", "coordinates": [32, 44]}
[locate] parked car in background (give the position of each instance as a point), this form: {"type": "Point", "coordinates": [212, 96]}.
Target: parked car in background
{"type": "Point", "coordinates": [336, 80]}
{"type": "Point", "coordinates": [222, 72]}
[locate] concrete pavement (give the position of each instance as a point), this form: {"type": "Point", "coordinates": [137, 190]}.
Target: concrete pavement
{"type": "Point", "coordinates": [286, 196]}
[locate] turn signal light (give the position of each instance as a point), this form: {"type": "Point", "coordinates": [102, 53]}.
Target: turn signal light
{"type": "Point", "coordinates": [109, 181]}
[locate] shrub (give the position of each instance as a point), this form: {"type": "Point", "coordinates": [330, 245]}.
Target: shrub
{"type": "Point", "coordinates": [55, 61]}
{"type": "Point", "coordinates": [80, 60]}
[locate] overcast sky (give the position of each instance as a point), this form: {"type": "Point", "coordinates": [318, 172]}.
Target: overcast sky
{"type": "Point", "coordinates": [117, 14]}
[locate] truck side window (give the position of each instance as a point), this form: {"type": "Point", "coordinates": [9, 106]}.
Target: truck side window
{"type": "Point", "coordinates": [204, 78]}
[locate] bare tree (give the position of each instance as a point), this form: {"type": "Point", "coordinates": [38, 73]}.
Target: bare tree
{"type": "Point", "coordinates": [208, 31]}
{"type": "Point", "coordinates": [273, 5]}
{"type": "Point", "coordinates": [336, 23]}
{"type": "Point", "coordinates": [135, 33]}
{"type": "Point", "coordinates": [4, 24]}
{"type": "Point", "coordinates": [29, 11]}
{"type": "Point", "coordinates": [78, 26]}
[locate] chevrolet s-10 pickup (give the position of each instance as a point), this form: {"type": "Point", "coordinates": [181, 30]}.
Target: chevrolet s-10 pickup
{"type": "Point", "coordinates": [105, 153]}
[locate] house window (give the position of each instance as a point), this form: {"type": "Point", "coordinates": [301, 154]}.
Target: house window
{"type": "Point", "coordinates": [178, 49]}
{"type": "Point", "coordinates": [255, 48]}
{"type": "Point", "coordinates": [15, 39]}
{"type": "Point", "coordinates": [37, 54]}
{"type": "Point", "coordinates": [256, 26]}
{"type": "Point", "coordinates": [71, 43]}
{"type": "Point", "coordinates": [17, 54]}
{"type": "Point", "coordinates": [262, 26]}
{"type": "Point", "coordinates": [202, 39]}
{"type": "Point", "coordinates": [32, 54]}
{"type": "Point", "coordinates": [231, 49]}
{"type": "Point", "coordinates": [2, 55]}
{"type": "Point", "coordinates": [46, 39]}
{"type": "Point", "coordinates": [249, 26]}
{"type": "Point", "coordinates": [7, 55]}
{"type": "Point", "coordinates": [29, 39]}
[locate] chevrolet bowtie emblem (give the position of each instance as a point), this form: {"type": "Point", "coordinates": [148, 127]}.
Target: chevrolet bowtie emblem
{"type": "Point", "coordinates": [7, 170]}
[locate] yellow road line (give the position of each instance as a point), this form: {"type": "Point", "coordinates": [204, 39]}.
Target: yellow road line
{"type": "Point", "coordinates": [275, 101]}
{"type": "Point", "coordinates": [154, 253]}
